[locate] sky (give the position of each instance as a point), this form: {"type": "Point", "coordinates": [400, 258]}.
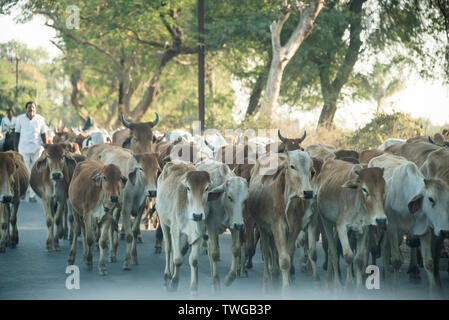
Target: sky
{"type": "Point", "coordinates": [420, 98]}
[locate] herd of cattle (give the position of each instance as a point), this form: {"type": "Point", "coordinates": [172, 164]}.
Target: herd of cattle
{"type": "Point", "coordinates": [196, 188]}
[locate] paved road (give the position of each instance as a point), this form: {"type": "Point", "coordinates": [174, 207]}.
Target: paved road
{"type": "Point", "coordinates": [30, 272]}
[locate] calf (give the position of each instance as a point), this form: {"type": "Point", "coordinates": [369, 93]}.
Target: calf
{"type": "Point", "coordinates": [276, 201]}
{"type": "Point", "coordinates": [224, 213]}
{"type": "Point", "coordinates": [50, 179]}
{"type": "Point", "coordinates": [94, 194]}
{"type": "Point", "coordinates": [349, 198]}
{"type": "Point", "coordinates": [13, 184]}
{"type": "Point", "coordinates": [182, 194]}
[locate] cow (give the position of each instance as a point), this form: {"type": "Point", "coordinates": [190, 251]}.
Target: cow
{"type": "Point", "coordinates": [287, 144]}
{"type": "Point", "coordinates": [94, 195]}
{"type": "Point", "coordinates": [50, 178]}
{"type": "Point", "coordinates": [349, 198]}
{"type": "Point", "coordinates": [138, 136]}
{"type": "Point", "coordinates": [416, 152]}
{"type": "Point", "coordinates": [141, 171]}
{"type": "Point", "coordinates": [389, 142]}
{"type": "Point", "coordinates": [276, 202]}
{"type": "Point", "coordinates": [182, 194]}
{"type": "Point", "coordinates": [344, 154]}
{"type": "Point", "coordinates": [415, 206]}
{"type": "Point", "coordinates": [366, 155]}
{"type": "Point", "coordinates": [13, 184]}
{"type": "Point", "coordinates": [321, 151]}
{"type": "Point", "coordinates": [224, 213]}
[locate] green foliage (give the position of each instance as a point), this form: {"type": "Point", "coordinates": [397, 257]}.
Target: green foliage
{"type": "Point", "coordinates": [384, 126]}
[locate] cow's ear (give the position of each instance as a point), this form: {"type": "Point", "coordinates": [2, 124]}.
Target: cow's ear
{"type": "Point", "coordinates": [70, 162]}
{"type": "Point", "coordinates": [215, 193]}
{"type": "Point", "coordinates": [415, 204]}
{"type": "Point", "coordinates": [41, 164]}
{"type": "Point", "coordinates": [132, 176]}
{"type": "Point", "coordinates": [98, 179]}
{"type": "Point", "coordinates": [123, 180]}
{"type": "Point", "coordinates": [351, 184]}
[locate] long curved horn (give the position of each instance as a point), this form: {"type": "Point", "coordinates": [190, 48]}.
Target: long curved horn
{"type": "Point", "coordinates": [88, 124]}
{"type": "Point", "coordinates": [280, 136]}
{"type": "Point", "coordinates": [125, 123]}
{"type": "Point", "coordinates": [155, 122]}
{"type": "Point", "coordinates": [303, 136]}
{"type": "Point", "coordinates": [430, 140]}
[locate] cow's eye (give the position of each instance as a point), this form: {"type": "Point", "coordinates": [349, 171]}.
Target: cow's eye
{"type": "Point", "coordinates": [230, 199]}
{"type": "Point", "coordinates": [365, 191]}
{"type": "Point", "coordinates": [432, 201]}
{"type": "Point", "coordinates": [293, 167]}
{"type": "Point", "coordinates": [187, 188]}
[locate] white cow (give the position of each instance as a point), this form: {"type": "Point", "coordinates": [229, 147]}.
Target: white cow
{"type": "Point", "coordinates": [224, 213]}
{"type": "Point", "coordinates": [415, 206]}
{"type": "Point", "coordinates": [182, 194]}
{"type": "Point", "coordinates": [389, 142]}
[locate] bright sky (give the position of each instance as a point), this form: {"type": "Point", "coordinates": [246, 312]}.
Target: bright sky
{"type": "Point", "coordinates": [420, 99]}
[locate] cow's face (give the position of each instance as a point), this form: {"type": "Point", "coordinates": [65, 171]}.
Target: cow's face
{"type": "Point", "coordinates": [7, 169]}
{"type": "Point", "coordinates": [55, 158]}
{"type": "Point", "coordinates": [234, 200]}
{"type": "Point", "coordinates": [111, 181]}
{"type": "Point", "coordinates": [150, 170]}
{"type": "Point", "coordinates": [370, 185]}
{"type": "Point", "coordinates": [433, 200]}
{"type": "Point", "coordinates": [290, 144]}
{"type": "Point", "coordinates": [299, 173]}
{"type": "Point", "coordinates": [141, 134]}
{"type": "Point", "coordinates": [197, 184]}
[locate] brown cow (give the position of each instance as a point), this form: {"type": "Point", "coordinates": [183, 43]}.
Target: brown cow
{"type": "Point", "coordinates": [366, 155]}
{"type": "Point", "coordinates": [13, 184]}
{"type": "Point", "coordinates": [50, 179]}
{"type": "Point", "coordinates": [94, 195]}
{"type": "Point", "coordinates": [346, 154]}
{"type": "Point", "coordinates": [287, 144]}
{"type": "Point", "coordinates": [321, 151]}
{"type": "Point", "coordinates": [350, 197]}
{"type": "Point", "coordinates": [276, 202]}
{"type": "Point", "coordinates": [140, 136]}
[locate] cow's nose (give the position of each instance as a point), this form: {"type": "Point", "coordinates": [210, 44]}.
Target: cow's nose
{"type": "Point", "coordinates": [444, 233]}
{"type": "Point", "coordinates": [197, 216]}
{"type": "Point", "coordinates": [152, 193]}
{"type": "Point", "coordinates": [7, 199]}
{"type": "Point", "coordinates": [56, 175]}
{"type": "Point", "coordinates": [114, 198]}
{"type": "Point", "coordinates": [238, 226]}
{"type": "Point", "coordinates": [308, 194]}
{"type": "Point", "coordinates": [381, 222]}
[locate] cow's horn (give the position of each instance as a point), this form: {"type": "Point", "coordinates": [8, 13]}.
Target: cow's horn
{"type": "Point", "coordinates": [88, 123]}
{"type": "Point", "coordinates": [125, 123]}
{"type": "Point", "coordinates": [430, 140]}
{"type": "Point", "coordinates": [446, 143]}
{"type": "Point", "coordinates": [303, 136]}
{"type": "Point", "coordinates": [155, 120]}
{"type": "Point", "coordinates": [280, 136]}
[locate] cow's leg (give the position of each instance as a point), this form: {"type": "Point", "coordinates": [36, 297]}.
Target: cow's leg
{"type": "Point", "coordinates": [177, 258]}
{"type": "Point", "coordinates": [436, 254]}
{"type": "Point", "coordinates": [426, 249]}
{"type": "Point", "coordinates": [280, 231]}
{"type": "Point", "coordinates": [332, 253]}
{"type": "Point", "coordinates": [264, 247]}
{"type": "Point", "coordinates": [212, 251]}
{"type": "Point", "coordinates": [15, 231]}
{"type": "Point", "coordinates": [360, 257]}
{"type": "Point", "coordinates": [301, 243]}
{"type": "Point", "coordinates": [243, 271]}
{"type": "Point", "coordinates": [347, 253]}
{"type": "Point", "coordinates": [312, 253]}
{"type": "Point", "coordinates": [49, 220]}
{"type": "Point", "coordinates": [70, 219]}
{"type": "Point", "coordinates": [88, 241]}
{"type": "Point", "coordinates": [396, 257]}
{"type": "Point", "coordinates": [4, 211]}
{"type": "Point", "coordinates": [58, 222]}
{"type": "Point", "coordinates": [235, 251]}
{"type": "Point", "coordinates": [126, 226]}
{"type": "Point", "coordinates": [104, 227]}
{"type": "Point", "coordinates": [159, 240]}
{"type": "Point", "coordinates": [136, 232]}
{"type": "Point", "coordinates": [386, 257]}
{"type": "Point", "coordinates": [168, 253]}
{"type": "Point", "coordinates": [76, 227]}
{"type": "Point", "coordinates": [65, 226]}
{"type": "Point", "coordinates": [193, 261]}
{"type": "Point", "coordinates": [113, 231]}
{"type": "Point", "coordinates": [250, 245]}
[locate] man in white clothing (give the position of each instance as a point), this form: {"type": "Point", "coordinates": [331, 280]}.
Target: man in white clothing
{"type": "Point", "coordinates": [30, 133]}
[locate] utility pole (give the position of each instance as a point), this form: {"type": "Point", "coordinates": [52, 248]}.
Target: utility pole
{"type": "Point", "coordinates": [201, 54]}
{"type": "Point", "coordinates": [16, 93]}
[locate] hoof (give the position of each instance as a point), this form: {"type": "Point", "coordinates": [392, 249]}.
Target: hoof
{"type": "Point", "coordinates": [249, 265]}
{"type": "Point", "coordinates": [2, 249]}
{"type": "Point", "coordinates": [126, 267]}
{"type": "Point", "coordinates": [157, 250]}
{"type": "Point", "coordinates": [229, 279]}
{"type": "Point", "coordinates": [103, 272]}
{"type": "Point", "coordinates": [139, 239]}
{"type": "Point", "coordinates": [135, 261]}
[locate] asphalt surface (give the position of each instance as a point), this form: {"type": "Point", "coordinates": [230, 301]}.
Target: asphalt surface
{"type": "Point", "coordinates": [30, 272]}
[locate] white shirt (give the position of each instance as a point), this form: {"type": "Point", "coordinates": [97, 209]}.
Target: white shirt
{"type": "Point", "coordinates": [8, 124]}
{"type": "Point", "coordinates": [30, 133]}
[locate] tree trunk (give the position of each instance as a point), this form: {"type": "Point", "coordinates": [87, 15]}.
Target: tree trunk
{"type": "Point", "coordinates": [283, 54]}
{"type": "Point", "coordinates": [255, 94]}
